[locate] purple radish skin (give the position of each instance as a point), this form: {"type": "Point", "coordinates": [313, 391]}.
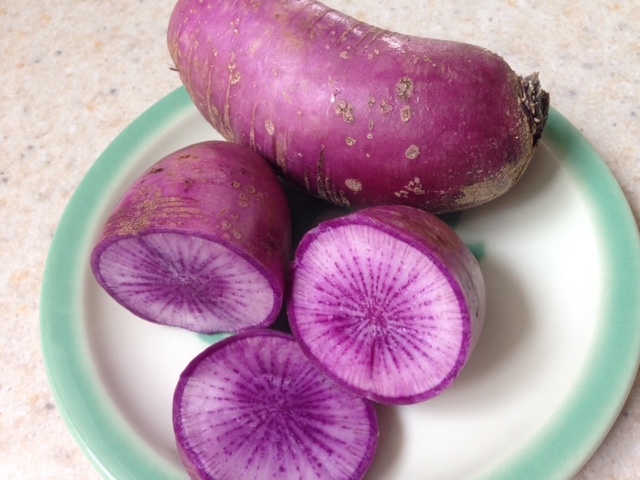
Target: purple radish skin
{"type": "Point", "coordinates": [254, 407]}
{"type": "Point", "coordinates": [354, 114]}
{"type": "Point", "coordinates": [388, 301]}
{"type": "Point", "coordinates": [200, 241]}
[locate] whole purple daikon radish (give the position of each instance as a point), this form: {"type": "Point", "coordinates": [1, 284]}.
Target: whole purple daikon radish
{"type": "Point", "coordinates": [354, 114]}
{"type": "Point", "coordinates": [200, 241]}
{"type": "Point", "coordinates": [388, 301]}
{"type": "Point", "coordinates": [254, 407]}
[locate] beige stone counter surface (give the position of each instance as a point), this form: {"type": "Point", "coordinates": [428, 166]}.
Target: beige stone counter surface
{"type": "Point", "coordinates": [75, 73]}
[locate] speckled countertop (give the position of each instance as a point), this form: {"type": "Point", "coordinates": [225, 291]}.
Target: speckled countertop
{"type": "Point", "coordinates": [76, 73]}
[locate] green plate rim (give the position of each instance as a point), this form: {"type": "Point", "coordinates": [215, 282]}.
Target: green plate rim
{"type": "Point", "coordinates": [568, 443]}
{"type": "Point", "coordinates": [118, 454]}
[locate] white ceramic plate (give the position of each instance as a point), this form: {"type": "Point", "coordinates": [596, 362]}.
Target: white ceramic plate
{"type": "Point", "coordinates": [561, 258]}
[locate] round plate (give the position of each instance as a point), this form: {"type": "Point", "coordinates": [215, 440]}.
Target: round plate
{"type": "Point", "coordinates": [561, 258]}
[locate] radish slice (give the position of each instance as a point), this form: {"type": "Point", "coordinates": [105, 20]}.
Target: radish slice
{"type": "Point", "coordinates": [254, 407]}
{"type": "Point", "coordinates": [388, 301]}
{"type": "Point", "coordinates": [200, 241]}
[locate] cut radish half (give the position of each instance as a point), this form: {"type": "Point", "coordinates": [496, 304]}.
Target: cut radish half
{"type": "Point", "coordinates": [388, 301]}
{"type": "Point", "coordinates": [199, 241]}
{"type": "Point", "coordinates": [254, 407]}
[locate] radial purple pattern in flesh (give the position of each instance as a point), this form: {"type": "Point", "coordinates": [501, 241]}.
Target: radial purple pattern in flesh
{"type": "Point", "coordinates": [199, 241]}
{"type": "Point", "coordinates": [254, 407]}
{"type": "Point", "coordinates": [389, 301]}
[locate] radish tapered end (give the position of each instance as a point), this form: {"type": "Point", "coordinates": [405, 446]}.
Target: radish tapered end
{"type": "Point", "coordinates": [252, 406]}
{"type": "Point", "coordinates": [388, 301]}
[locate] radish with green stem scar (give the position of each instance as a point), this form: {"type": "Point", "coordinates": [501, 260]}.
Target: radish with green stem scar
{"type": "Point", "coordinates": [254, 407]}
{"type": "Point", "coordinates": [200, 241]}
{"type": "Point", "coordinates": [388, 301]}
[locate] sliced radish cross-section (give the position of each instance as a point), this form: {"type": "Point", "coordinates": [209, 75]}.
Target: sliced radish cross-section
{"type": "Point", "coordinates": [200, 241]}
{"type": "Point", "coordinates": [254, 407]}
{"type": "Point", "coordinates": [186, 281]}
{"type": "Point", "coordinates": [388, 301]}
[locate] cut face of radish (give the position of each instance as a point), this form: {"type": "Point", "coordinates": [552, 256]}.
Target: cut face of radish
{"type": "Point", "coordinates": [186, 281]}
{"type": "Point", "coordinates": [388, 301]}
{"type": "Point", "coordinates": [201, 241]}
{"type": "Point", "coordinates": [254, 407]}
